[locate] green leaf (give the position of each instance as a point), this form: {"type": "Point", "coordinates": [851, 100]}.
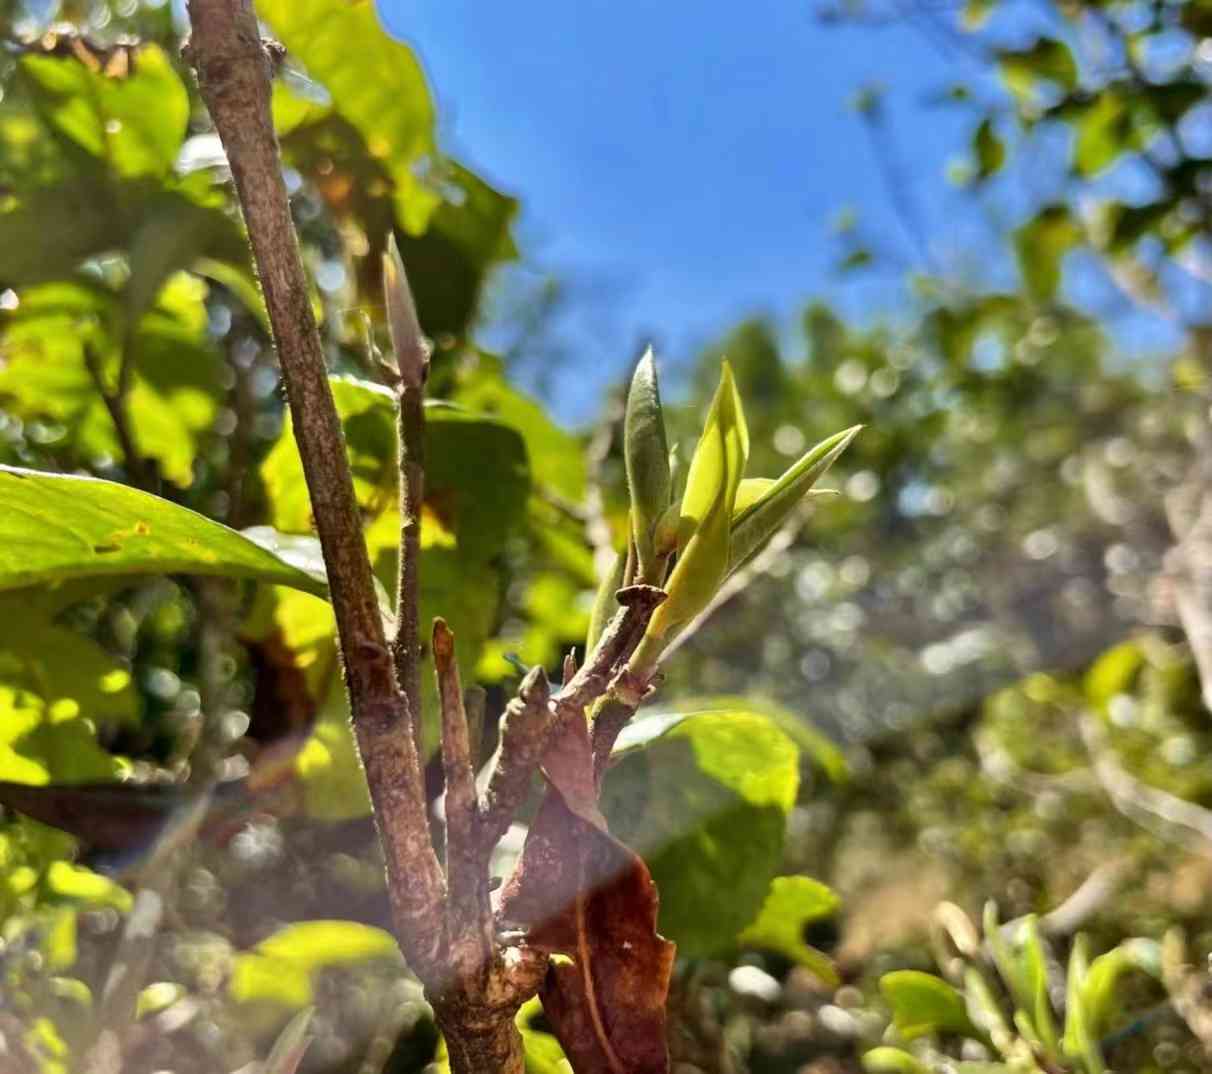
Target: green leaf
{"type": "Point", "coordinates": [646, 453]}
{"type": "Point", "coordinates": [983, 1007]}
{"type": "Point", "coordinates": [44, 740]}
{"type": "Point", "coordinates": [557, 457]}
{"type": "Point", "coordinates": [1078, 1041]}
{"type": "Point", "coordinates": [476, 474]}
{"type": "Point", "coordinates": [988, 149]}
{"type": "Point", "coordinates": [792, 903]}
{"type": "Point", "coordinates": [1035, 972]}
{"type": "Point", "coordinates": [1099, 989]}
{"type": "Point", "coordinates": [177, 382]}
{"type": "Point", "coordinates": [705, 802]}
{"type": "Point", "coordinates": [754, 526]}
{"type": "Point", "coordinates": [280, 969]}
{"type": "Point", "coordinates": [47, 232]}
{"type": "Point", "coordinates": [1103, 132]}
{"type": "Point", "coordinates": [69, 672]}
{"type": "Point", "coordinates": [1113, 673]}
{"type": "Point", "coordinates": [1045, 61]}
{"type": "Point", "coordinates": [652, 723]}
{"type": "Point", "coordinates": [1041, 245]}
{"type": "Point", "coordinates": [134, 122]}
{"type": "Point", "coordinates": [54, 528]}
{"type": "Point", "coordinates": [922, 1003]}
{"type": "Point", "coordinates": [887, 1060]}
{"type": "Point", "coordinates": [706, 515]}
{"type": "Point", "coordinates": [383, 94]}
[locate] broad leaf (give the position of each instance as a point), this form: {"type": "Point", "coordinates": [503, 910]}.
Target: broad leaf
{"type": "Point", "coordinates": [476, 477]}
{"type": "Point", "coordinates": [280, 969]}
{"type": "Point", "coordinates": [54, 528]}
{"type": "Point", "coordinates": [706, 804]}
{"type": "Point", "coordinates": [1041, 245]}
{"type": "Point", "coordinates": [134, 120]}
{"type": "Point", "coordinates": [793, 903]}
{"type": "Point", "coordinates": [383, 95]}
{"type": "Point", "coordinates": [922, 1003]}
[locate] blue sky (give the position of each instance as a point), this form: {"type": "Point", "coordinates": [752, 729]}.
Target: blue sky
{"type": "Point", "coordinates": [682, 164]}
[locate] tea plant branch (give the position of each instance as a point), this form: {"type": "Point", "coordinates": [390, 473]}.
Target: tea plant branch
{"type": "Point", "coordinates": [1090, 896]}
{"type": "Point", "coordinates": [234, 72]}
{"type": "Point", "coordinates": [534, 713]}
{"type": "Point", "coordinates": [412, 363]}
{"type": "Point", "coordinates": [115, 404]}
{"type": "Point", "coordinates": [468, 909]}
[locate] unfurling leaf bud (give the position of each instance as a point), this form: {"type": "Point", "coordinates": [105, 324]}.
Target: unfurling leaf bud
{"type": "Point", "coordinates": [762, 505]}
{"type": "Point", "coordinates": [646, 452]}
{"type": "Point", "coordinates": [407, 343]}
{"type": "Point", "coordinates": [707, 505]}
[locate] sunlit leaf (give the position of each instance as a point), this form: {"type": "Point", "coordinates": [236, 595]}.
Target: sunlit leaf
{"type": "Point", "coordinates": [1041, 245]}
{"type": "Point", "coordinates": [887, 1060]}
{"type": "Point", "coordinates": [706, 516]}
{"type": "Point", "coordinates": [54, 528]}
{"type": "Point", "coordinates": [754, 526]}
{"type": "Point", "coordinates": [384, 94]}
{"type": "Point", "coordinates": [280, 968]}
{"type": "Point", "coordinates": [135, 122]}
{"type": "Point", "coordinates": [793, 903]}
{"type": "Point", "coordinates": [922, 1003]}
{"type": "Point", "coordinates": [705, 802]}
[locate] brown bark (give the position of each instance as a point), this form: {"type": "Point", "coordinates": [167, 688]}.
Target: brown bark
{"type": "Point", "coordinates": [234, 70]}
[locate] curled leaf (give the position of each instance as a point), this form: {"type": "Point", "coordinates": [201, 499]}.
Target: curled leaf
{"type": "Point", "coordinates": [922, 1003]}
{"type": "Point", "coordinates": [407, 342]}
{"type": "Point", "coordinates": [582, 894]}
{"type": "Point", "coordinates": [765, 509]}
{"type": "Point", "coordinates": [646, 452]}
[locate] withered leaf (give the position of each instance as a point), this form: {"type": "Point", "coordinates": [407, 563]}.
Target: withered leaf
{"type": "Point", "coordinates": [582, 894]}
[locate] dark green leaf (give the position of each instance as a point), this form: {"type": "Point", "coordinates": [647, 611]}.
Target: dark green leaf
{"type": "Point", "coordinates": [1041, 245]}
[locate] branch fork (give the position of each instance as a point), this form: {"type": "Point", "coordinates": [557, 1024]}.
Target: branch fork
{"type": "Point", "coordinates": [442, 913]}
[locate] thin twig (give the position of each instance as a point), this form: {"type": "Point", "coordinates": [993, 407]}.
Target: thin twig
{"type": "Point", "coordinates": [412, 363]}
{"type": "Point", "coordinates": [524, 731]}
{"type": "Point", "coordinates": [234, 71]}
{"type": "Point", "coordinates": [115, 405]}
{"type": "Point", "coordinates": [533, 715]}
{"type": "Point", "coordinates": [468, 909]}
{"type": "Point", "coordinates": [1170, 817]}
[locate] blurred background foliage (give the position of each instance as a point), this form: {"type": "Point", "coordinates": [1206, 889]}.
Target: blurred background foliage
{"type": "Point", "coordinates": [965, 675]}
